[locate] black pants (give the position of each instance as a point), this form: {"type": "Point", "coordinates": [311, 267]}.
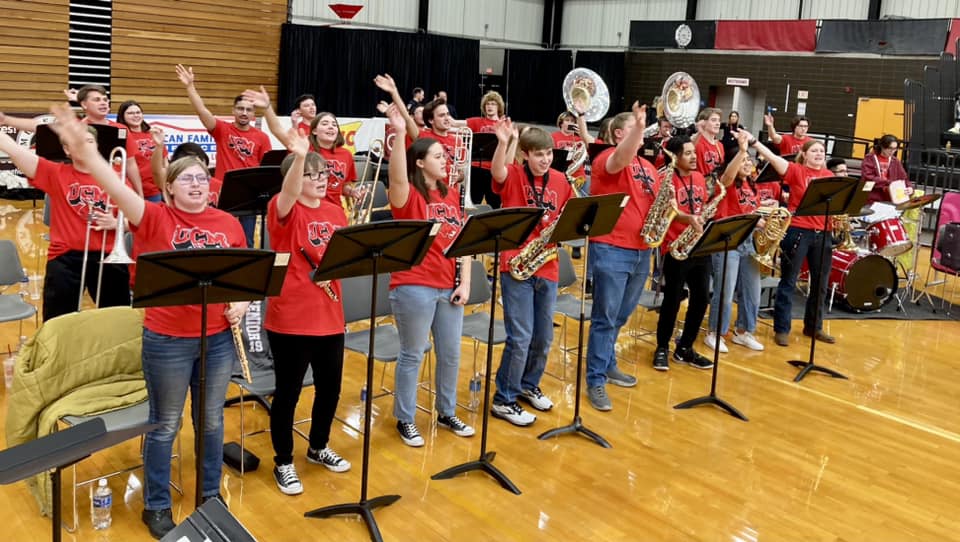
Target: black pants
{"type": "Point", "coordinates": [481, 188]}
{"type": "Point", "coordinates": [291, 356]}
{"type": "Point", "coordinates": [61, 286]}
{"type": "Point", "coordinates": [695, 273]}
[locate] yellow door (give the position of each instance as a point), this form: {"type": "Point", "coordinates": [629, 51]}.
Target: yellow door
{"type": "Point", "coordinates": [878, 116]}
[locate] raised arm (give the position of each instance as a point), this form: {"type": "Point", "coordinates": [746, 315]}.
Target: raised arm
{"type": "Point", "coordinates": [628, 146]}
{"type": "Point", "coordinates": [73, 133]}
{"type": "Point", "coordinates": [262, 100]}
{"type": "Point", "coordinates": [22, 157]}
{"type": "Point", "coordinates": [505, 134]}
{"type": "Point", "coordinates": [743, 138]}
{"type": "Point", "coordinates": [584, 132]}
{"type": "Point", "coordinates": [293, 181]}
{"type": "Point", "coordinates": [771, 131]}
{"type": "Point", "coordinates": [399, 187]}
{"type": "Point", "coordinates": [385, 83]}
{"type": "Point", "coordinates": [185, 74]}
{"type": "Point", "coordinates": [158, 162]}
{"type": "Point", "coordinates": [779, 164]}
{"type": "Point", "coordinates": [20, 123]}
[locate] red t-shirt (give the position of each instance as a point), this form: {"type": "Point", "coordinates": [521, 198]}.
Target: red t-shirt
{"type": "Point", "coordinates": [516, 191]}
{"type": "Point", "coordinates": [342, 170]}
{"type": "Point", "coordinates": [769, 190]}
{"type": "Point", "coordinates": [303, 308]}
{"type": "Point", "coordinates": [236, 148]}
{"type": "Point", "coordinates": [106, 122]}
{"type": "Point", "coordinates": [449, 143]}
{"type": "Point", "coordinates": [436, 270]}
{"type": "Point", "coordinates": [738, 201]}
{"type": "Point", "coordinates": [71, 193]}
{"type": "Point", "coordinates": [641, 182]}
{"type": "Point", "coordinates": [884, 163]}
{"type": "Point", "coordinates": [791, 145]}
{"type": "Point", "coordinates": [709, 156]}
{"type": "Point", "coordinates": [140, 146]}
{"type": "Point", "coordinates": [567, 142]}
{"type": "Point", "coordinates": [168, 228]}
{"type": "Point", "coordinates": [216, 185]}
{"type": "Point", "coordinates": [482, 125]}
{"type": "Point", "coordinates": [797, 179]}
{"type": "Point", "coordinates": [691, 192]}
{"type": "Point", "coordinates": [304, 128]}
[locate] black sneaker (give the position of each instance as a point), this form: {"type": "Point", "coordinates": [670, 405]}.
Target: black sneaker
{"type": "Point", "coordinates": [660, 359]}
{"type": "Point", "coordinates": [589, 287]}
{"type": "Point", "coordinates": [689, 356]}
{"type": "Point", "coordinates": [456, 425]}
{"type": "Point", "coordinates": [160, 522]}
{"type": "Point", "coordinates": [410, 434]}
{"type": "Point", "coordinates": [575, 253]}
{"type": "Point", "coordinates": [287, 480]}
{"type": "Point", "coordinates": [328, 458]}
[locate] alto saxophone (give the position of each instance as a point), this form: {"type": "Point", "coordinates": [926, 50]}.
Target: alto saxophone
{"type": "Point", "coordinates": [681, 246]}
{"type": "Point", "coordinates": [766, 241]}
{"type": "Point", "coordinates": [662, 211]}
{"type": "Point", "coordinates": [535, 254]}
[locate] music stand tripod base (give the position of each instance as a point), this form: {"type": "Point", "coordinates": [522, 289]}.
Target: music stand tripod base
{"type": "Point", "coordinates": [806, 366]}
{"type": "Point", "coordinates": [484, 463]}
{"type": "Point", "coordinates": [363, 508]}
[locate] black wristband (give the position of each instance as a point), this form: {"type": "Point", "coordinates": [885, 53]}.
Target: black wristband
{"type": "Point", "coordinates": [752, 142]}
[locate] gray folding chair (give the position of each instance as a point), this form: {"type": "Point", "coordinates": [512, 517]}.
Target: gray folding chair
{"type": "Point", "coordinates": [12, 306]}
{"type": "Point", "coordinates": [568, 305]}
{"type": "Point", "coordinates": [476, 324]}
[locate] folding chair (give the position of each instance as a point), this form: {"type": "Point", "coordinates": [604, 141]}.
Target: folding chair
{"type": "Point", "coordinates": [12, 306]}
{"type": "Point", "coordinates": [568, 305]}
{"type": "Point", "coordinates": [476, 324]}
{"type": "Point", "coordinates": [949, 212]}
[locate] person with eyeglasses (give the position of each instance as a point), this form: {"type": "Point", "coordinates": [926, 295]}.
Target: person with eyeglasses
{"type": "Point", "coordinates": [882, 167]}
{"type": "Point", "coordinates": [171, 335]}
{"type": "Point", "coordinates": [792, 143]}
{"type": "Point", "coordinates": [239, 143]}
{"type": "Point", "coordinates": [305, 322]}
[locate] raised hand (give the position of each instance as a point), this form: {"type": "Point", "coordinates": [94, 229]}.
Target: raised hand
{"type": "Point", "coordinates": [295, 117]}
{"type": "Point", "coordinates": [396, 118]}
{"type": "Point", "coordinates": [385, 83]}
{"type": "Point", "coordinates": [71, 94]}
{"type": "Point", "coordinates": [768, 119]}
{"type": "Point", "coordinates": [73, 134]}
{"type": "Point", "coordinates": [259, 98]}
{"type": "Point", "coordinates": [743, 138]}
{"type": "Point", "coordinates": [505, 130]}
{"type": "Point", "coordinates": [156, 133]}
{"type": "Point", "coordinates": [382, 107]}
{"type": "Point", "coordinates": [297, 143]}
{"type": "Point", "coordinates": [185, 74]}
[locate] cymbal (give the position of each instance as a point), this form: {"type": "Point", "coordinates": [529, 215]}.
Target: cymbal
{"type": "Point", "coordinates": [918, 201]}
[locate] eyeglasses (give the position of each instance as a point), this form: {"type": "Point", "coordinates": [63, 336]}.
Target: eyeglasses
{"type": "Point", "coordinates": [892, 148]}
{"type": "Point", "coordinates": [188, 179]}
{"type": "Point", "coordinates": [317, 175]}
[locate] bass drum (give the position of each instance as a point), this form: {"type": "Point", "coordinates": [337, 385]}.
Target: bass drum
{"type": "Point", "coordinates": [864, 282]}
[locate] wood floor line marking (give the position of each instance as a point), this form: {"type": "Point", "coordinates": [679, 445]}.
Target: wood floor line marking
{"type": "Point", "coordinates": [943, 433]}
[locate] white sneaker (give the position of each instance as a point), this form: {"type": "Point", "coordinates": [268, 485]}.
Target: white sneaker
{"type": "Point", "coordinates": [536, 398]}
{"type": "Point", "coordinates": [746, 339]}
{"type": "Point", "coordinates": [513, 413]}
{"type": "Point", "coordinates": [709, 339]}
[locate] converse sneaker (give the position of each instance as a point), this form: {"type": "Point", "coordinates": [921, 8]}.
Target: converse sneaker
{"type": "Point", "coordinates": [287, 479]}
{"type": "Point", "coordinates": [692, 358]}
{"type": "Point", "coordinates": [661, 360]}
{"type": "Point", "coordinates": [747, 339]}
{"type": "Point", "coordinates": [619, 378]}
{"type": "Point", "coordinates": [513, 413]}
{"type": "Point", "coordinates": [536, 398]}
{"type": "Point", "coordinates": [456, 425]}
{"type": "Point", "coordinates": [410, 434]}
{"type": "Point", "coordinates": [710, 339]}
{"type": "Point", "coordinates": [599, 399]}
{"type": "Point", "coordinates": [328, 458]}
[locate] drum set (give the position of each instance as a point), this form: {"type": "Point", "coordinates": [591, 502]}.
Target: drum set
{"type": "Point", "coordinates": [863, 274]}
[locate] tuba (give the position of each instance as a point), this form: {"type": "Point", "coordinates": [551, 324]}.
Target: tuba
{"type": "Point", "coordinates": [766, 241]}
{"type": "Point", "coordinates": [584, 90]}
{"type": "Point", "coordinates": [680, 102]}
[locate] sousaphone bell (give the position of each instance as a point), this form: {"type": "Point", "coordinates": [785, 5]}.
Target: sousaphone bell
{"type": "Point", "coordinates": [584, 90]}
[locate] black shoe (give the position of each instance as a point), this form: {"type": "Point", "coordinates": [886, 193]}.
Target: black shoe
{"type": "Point", "coordinates": [692, 358]}
{"type": "Point", "coordinates": [660, 361]}
{"type": "Point", "coordinates": [589, 287]}
{"type": "Point", "coordinates": [575, 253]}
{"type": "Point", "coordinates": [821, 336]}
{"type": "Point", "coordinates": [160, 522]}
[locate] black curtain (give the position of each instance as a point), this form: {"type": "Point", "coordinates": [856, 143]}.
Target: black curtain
{"type": "Point", "coordinates": [894, 37]}
{"type": "Point", "coordinates": [610, 67]}
{"type": "Point", "coordinates": [535, 84]}
{"type": "Point", "coordinates": [338, 66]}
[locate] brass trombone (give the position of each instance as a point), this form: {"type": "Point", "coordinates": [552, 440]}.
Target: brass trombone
{"type": "Point", "coordinates": [363, 206]}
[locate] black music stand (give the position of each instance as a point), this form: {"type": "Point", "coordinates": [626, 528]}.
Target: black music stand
{"type": "Point", "coordinates": [371, 249]}
{"type": "Point", "coordinates": [493, 231]}
{"type": "Point", "coordinates": [721, 236]}
{"type": "Point", "coordinates": [247, 191]}
{"type": "Point", "coordinates": [583, 218]}
{"type": "Point", "coordinates": [594, 149]}
{"type": "Point", "coordinates": [201, 277]}
{"type": "Point", "coordinates": [483, 147]}
{"type": "Point", "coordinates": [58, 450]}
{"type": "Point", "coordinates": [273, 157]}
{"type": "Point", "coordinates": [826, 197]}
{"type": "Point", "coordinates": [108, 138]}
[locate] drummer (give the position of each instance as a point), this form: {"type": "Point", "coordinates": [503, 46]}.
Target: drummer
{"type": "Point", "coordinates": [882, 167]}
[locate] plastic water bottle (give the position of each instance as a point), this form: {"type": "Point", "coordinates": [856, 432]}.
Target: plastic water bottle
{"type": "Point", "coordinates": [8, 365]}
{"type": "Point", "coordinates": [476, 384]}
{"type": "Point", "coordinates": [25, 284]}
{"type": "Point", "coordinates": [101, 504]}
{"type": "Point", "coordinates": [363, 394]}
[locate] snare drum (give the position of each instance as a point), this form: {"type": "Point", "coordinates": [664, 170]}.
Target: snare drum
{"type": "Point", "coordinates": [888, 238]}
{"type": "Point", "coordinates": [864, 282]}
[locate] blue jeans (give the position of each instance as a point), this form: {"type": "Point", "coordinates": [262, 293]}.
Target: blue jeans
{"type": "Point", "coordinates": [743, 277]}
{"type": "Point", "coordinates": [619, 276]}
{"type": "Point", "coordinates": [249, 225]}
{"type": "Point", "coordinates": [170, 366]}
{"type": "Point", "coordinates": [528, 319]}
{"type": "Point", "coordinates": [797, 244]}
{"type": "Point", "coordinates": [418, 310]}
